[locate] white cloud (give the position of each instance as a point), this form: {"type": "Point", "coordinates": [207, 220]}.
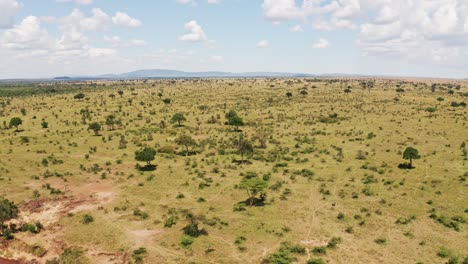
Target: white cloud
{"type": "Point", "coordinates": [277, 10]}
{"type": "Point", "coordinates": [216, 58]}
{"type": "Point", "coordinates": [28, 35]}
{"type": "Point", "coordinates": [29, 39]}
{"type": "Point", "coordinates": [195, 3]}
{"type": "Point", "coordinates": [195, 32]}
{"type": "Point", "coordinates": [263, 44]}
{"type": "Point", "coordinates": [418, 29]}
{"type": "Point", "coordinates": [8, 10]}
{"type": "Point", "coordinates": [84, 2]}
{"type": "Point", "coordinates": [124, 20]}
{"type": "Point", "coordinates": [80, 2]}
{"type": "Point", "coordinates": [77, 21]}
{"type": "Point", "coordinates": [117, 42]}
{"type": "Point", "coordinates": [321, 44]}
{"type": "Point", "coordinates": [296, 28]}
{"type": "Point", "coordinates": [186, 2]}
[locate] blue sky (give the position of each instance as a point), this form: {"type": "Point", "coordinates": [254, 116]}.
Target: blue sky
{"type": "Point", "coordinates": [47, 38]}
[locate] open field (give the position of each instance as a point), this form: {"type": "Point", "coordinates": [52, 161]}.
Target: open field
{"type": "Point", "coordinates": [321, 164]}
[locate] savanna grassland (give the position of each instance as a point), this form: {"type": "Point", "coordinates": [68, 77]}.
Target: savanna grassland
{"type": "Point", "coordinates": [245, 171]}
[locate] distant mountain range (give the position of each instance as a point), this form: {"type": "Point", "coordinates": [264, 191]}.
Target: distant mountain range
{"type": "Point", "coordinates": [162, 73]}
{"type": "Point", "coordinates": [169, 74]}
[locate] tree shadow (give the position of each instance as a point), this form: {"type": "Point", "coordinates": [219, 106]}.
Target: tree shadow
{"type": "Point", "coordinates": [190, 153]}
{"type": "Point", "coordinates": [405, 166]}
{"type": "Point", "coordinates": [257, 202]}
{"type": "Point", "coordinates": [240, 162]}
{"type": "Point", "coordinates": [147, 167]}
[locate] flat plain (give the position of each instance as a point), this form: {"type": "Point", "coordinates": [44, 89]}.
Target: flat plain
{"type": "Point", "coordinates": [245, 171]}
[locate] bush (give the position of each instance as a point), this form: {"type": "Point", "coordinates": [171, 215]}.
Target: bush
{"type": "Point", "coordinates": [444, 252]}
{"type": "Point", "coordinates": [172, 220]}
{"type": "Point", "coordinates": [285, 254]}
{"type": "Point", "coordinates": [73, 256]}
{"type": "Point", "coordinates": [186, 241]}
{"type": "Point", "coordinates": [139, 255]}
{"type": "Point", "coordinates": [381, 241]}
{"type": "Point", "coordinates": [333, 242]}
{"type": "Point", "coordinates": [87, 219]}
{"type": "Point", "coordinates": [315, 261]}
{"type": "Point", "coordinates": [319, 250]}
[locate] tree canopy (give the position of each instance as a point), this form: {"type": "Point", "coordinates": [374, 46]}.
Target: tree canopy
{"type": "Point", "coordinates": [178, 118]}
{"type": "Point", "coordinates": [411, 154]}
{"type": "Point", "coordinates": [15, 122]}
{"type": "Point", "coordinates": [8, 210]}
{"type": "Point", "coordinates": [146, 155]}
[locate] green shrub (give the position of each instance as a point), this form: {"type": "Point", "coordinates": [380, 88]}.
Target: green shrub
{"type": "Point", "coordinates": [87, 219]}
{"type": "Point", "coordinates": [186, 241]}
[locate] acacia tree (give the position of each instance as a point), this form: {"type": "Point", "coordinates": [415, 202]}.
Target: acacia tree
{"type": "Point", "coordinates": [236, 122]}
{"type": "Point", "coordinates": [15, 122]}
{"type": "Point", "coordinates": [146, 155]}
{"type": "Point", "coordinates": [8, 211]}
{"type": "Point", "coordinates": [411, 154]}
{"type": "Point", "coordinates": [120, 92]}
{"type": "Point", "coordinates": [79, 96]}
{"type": "Point", "coordinates": [96, 127]}
{"type": "Point", "coordinates": [289, 95]}
{"type": "Point", "coordinates": [186, 141]}
{"type": "Point", "coordinates": [253, 186]}
{"type": "Point", "coordinates": [262, 136]}
{"type": "Point", "coordinates": [110, 121]}
{"type": "Point", "coordinates": [178, 118]}
{"type": "Point", "coordinates": [243, 146]}
{"type": "Point", "coordinates": [167, 101]}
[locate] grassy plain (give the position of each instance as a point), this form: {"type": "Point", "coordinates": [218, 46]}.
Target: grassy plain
{"type": "Point", "coordinates": [331, 163]}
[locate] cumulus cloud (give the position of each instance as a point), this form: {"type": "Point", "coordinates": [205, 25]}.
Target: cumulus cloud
{"type": "Point", "coordinates": [263, 44]}
{"type": "Point", "coordinates": [8, 10]}
{"type": "Point", "coordinates": [80, 2]}
{"type": "Point", "coordinates": [194, 2]}
{"type": "Point", "coordinates": [28, 35]}
{"type": "Point", "coordinates": [195, 32]}
{"type": "Point", "coordinates": [117, 42]}
{"type": "Point", "coordinates": [124, 20]}
{"type": "Point", "coordinates": [321, 44]}
{"type": "Point", "coordinates": [216, 58]}
{"type": "Point", "coordinates": [185, 2]}
{"type": "Point", "coordinates": [296, 28]}
{"type": "Point", "coordinates": [416, 29]}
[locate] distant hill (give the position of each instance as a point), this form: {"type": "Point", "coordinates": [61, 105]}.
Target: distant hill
{"type": "Point", "coordinates": [161, 73]}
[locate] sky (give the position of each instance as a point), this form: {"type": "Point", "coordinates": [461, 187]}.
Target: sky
{"type": "Point", "coordinates": [49, 38]}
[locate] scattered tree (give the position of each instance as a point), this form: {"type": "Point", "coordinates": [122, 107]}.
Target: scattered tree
{"type": "Point", "coordinates": [253, 186]}
{"type": "Point", "coordinates": [146, 155]}
{"type": "Point", "coordinates": [411, 154]}
{"type": "Point", "coordinates": [79, 96]}
{"type": "Point", "coordinates": [15, 122]}
{"type": "Point", "coordinates": [186, 141]}
{"type": "Point", "coordinates": [110, 121]}
{"type": "Point", "coordinates": [178, 118]}
{"type": "Point", "coordinates": [167, 101]}
{"type": "Point", "coordinates": [96, 127]}
{"type": "Point", "coordinates": [243, 146]}
{"type": "Point", "coordinates": [8, 211]}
